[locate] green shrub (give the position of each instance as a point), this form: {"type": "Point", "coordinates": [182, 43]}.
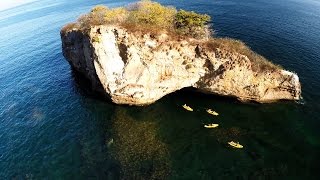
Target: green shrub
{"type": "Point", "coordinates": [116, 15]}
{"type": "Point", "coordinates": [152, 14]}
{"type": "Point", "coordinates": [190, 19]}
{"type": "Point", "coordinates": [191, 23]}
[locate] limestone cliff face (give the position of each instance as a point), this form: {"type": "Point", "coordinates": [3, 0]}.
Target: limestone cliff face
{"type": "Point", "coordinates": [139, 69]}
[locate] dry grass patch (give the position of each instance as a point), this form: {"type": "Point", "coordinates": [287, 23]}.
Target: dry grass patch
{"type": "Point", "coordinates": [116, 15]}
{"type": "Point", "coordinates": [68, 27]}
{"type": "Point", "coordinates": [259, 63]}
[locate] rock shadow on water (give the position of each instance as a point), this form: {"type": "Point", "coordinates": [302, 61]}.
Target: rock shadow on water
{"type": "Point", "coordinates": [84, 86]}
{"type": "Point", "coordinates": [139, 151]}
{"type": "Point", "coordinates": [164, 141]}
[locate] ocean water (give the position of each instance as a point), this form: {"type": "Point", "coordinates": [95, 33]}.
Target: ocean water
{"type": "Point", "coordinates": [53, 127]}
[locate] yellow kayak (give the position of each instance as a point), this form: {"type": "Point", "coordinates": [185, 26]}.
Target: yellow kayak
{"type": "Point", "coordinates": [235, 145]}
{"type": "Point", "coordinates": [188, 108]}
{"type": "Point", "coordinates": [211, 125]}
{"type": "Point", "coordinates": [210, 111]}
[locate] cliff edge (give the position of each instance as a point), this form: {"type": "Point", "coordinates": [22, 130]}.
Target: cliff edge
{"type": "Point", "coordinates": [138, 68]}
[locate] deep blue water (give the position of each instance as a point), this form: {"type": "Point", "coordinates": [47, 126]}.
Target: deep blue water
{"type": "Point", "coordinates": [51, 127]}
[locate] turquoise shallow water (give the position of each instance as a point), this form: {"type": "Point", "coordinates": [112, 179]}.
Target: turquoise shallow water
{"type": "Point", "coordinates": [52, 127]}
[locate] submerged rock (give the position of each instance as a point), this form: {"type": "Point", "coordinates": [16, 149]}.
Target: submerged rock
{"type": "Point", "coordinates": [138, 69]}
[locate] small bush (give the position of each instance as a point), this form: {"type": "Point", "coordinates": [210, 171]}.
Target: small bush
{"type": "Point", "coordinates": [152, 14]}
{"type": "Point", "coordinates": [68, 27]}
{"type": "Point", "coordinates": [191, 23]}
{"type": "Point", "coordinates": [84, 21]}
{"type": "Point", "coordinates": [190, 19]}
{"type": "Point", "coordinates": [96, 16]}
{"type": "Point", "coordinates": [116, 15]}
{"type": "Point", "coordinates": [99, 9]}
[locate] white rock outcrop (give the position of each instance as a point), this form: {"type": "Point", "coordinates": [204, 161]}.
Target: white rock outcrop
{"type": "Point", "coordinates": [139, 69]}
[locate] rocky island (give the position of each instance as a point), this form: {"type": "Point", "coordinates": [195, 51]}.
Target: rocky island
{"type": "Point", "coordinates": [144, 51]}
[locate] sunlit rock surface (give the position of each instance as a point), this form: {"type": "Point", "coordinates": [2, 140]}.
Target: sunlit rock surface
{"type": "Point", "coordinates": [138, 69]}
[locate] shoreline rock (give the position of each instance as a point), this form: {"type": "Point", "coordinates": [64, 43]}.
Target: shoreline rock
{"type": "Point", "coordinates": [138, 69]}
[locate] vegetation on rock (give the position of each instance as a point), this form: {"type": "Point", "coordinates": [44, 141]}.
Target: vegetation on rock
{"type": "Point", "coordinates": [148, 17]}
{"type": "Point", "coordinates": [146, 14]}
{"type": "Point", "coordinates": [187, 22]}
{"type": "Point", "coordinates": [259, 63]}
